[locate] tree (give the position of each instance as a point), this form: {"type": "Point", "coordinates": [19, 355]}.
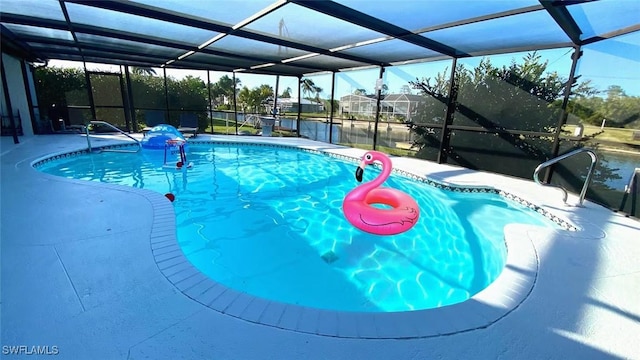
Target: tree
{"type": "Point", "coordinates": [333, 105]}
{"type": "Point", "coordinates": [514, 98]}
{"type": "Point", "coordinates": [508, 101]}
{"type": "Point", "coordinates": [227, 86]}
{"type": "Point", "coordinates": [405, 89]}
{"type": "Point", "coordinates": [286, 94]}
{"type": "Point", "coordinates": [384, 90]}
{"type": "Point", "coordinates": [251, 100]}
{"type": "Point", "coordinates": [309, 87]}
{"type": "Point", "coordinates": [317, 90]}
{"type": "Point", "coordinates": [618, 108]}
{"type": "Point", "coordinates": [148, 92]}
{"type": "Point", "coordinates": [141, 70]}
{"type": "Point", "coordinates": [189, 93]}
{"type": "Point", "coordinates": [360, 92]}
{"type": "Point", "coordinates": [621, 110]}
{"type": "Point", "coordinates": [244, 98]}
{"type": "Point", "coordinates": [53, 84]}
{"type": "Point", "coordinates": [56, 88]}
{"type": "Point", "coordinates": [264, 92]}
{"type": "Point", "coordinates": [224, 87]}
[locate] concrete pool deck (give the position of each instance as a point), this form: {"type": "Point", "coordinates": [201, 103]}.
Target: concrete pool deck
{"type": "Point", "coordinates": [78, 273]}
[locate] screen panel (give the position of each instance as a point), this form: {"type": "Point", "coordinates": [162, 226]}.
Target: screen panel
{"type": "Point", "coordinates": [87, 15]}
{"type": "Point", "coordinates": [34, 8]}
{"type": "Point", "coordinates": [522, 91]}
{"type": "Point", "coordinates": [600, 17]}
{"type": "Point", "coordinates": [510, 154]}
{"type": "Point", "coordinates": [530, 30]}
{"type": "Point", "coordinates": [392, 51]}
{"type": "Point", "coordinates": [297, 23]}
{"type": "Point", "coordinates": [432, 13]}
{"type": "Point", "coordinates": [213, 10]}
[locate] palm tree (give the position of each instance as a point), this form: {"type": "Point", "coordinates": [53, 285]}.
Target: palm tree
{"type": "Point", "coordinates": [317, 90]}
{"type": "Point", "coordinates": [286, 94]}
{"type": "Point", "coordinates": [244, 98]}
{"type": "Point", "coordinates": [226, 86]}
{"type": "Point", "coordinates": [308, 86]}
{"type": "Point", "coordinates": [143, 70]}
{"type": "Point", "coordinates": [384, 90]}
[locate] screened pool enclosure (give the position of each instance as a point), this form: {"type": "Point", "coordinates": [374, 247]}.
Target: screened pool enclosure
{"type": "Point", "coordinates": [500, 86]}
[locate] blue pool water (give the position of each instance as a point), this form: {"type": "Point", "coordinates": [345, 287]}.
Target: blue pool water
{"type": "Point", "coordinates": [268, 221]}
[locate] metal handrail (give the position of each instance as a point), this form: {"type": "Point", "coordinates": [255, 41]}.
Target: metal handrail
{"type": "Point", "coordinates": [99, 122]}
{"type": "Point", "coordinates": [587, 181]}
{"type": "Point", "coordinates": [629, 189]}
{"type": "Point", "coordinates": [630, 185]}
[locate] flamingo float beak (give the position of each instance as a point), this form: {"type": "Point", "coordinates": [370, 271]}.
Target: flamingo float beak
{"type": "Point", "coordinates": [360, 171]}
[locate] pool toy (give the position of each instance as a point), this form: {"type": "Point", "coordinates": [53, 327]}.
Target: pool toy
{"type": "Point", "coordinates": [157, 137]}
{"type": "Point", "coordinates": [168, 138]}
{"type": "Point", "coordinates": [173, 147]}
{"type": "Point", "coordinates": [358, 209]}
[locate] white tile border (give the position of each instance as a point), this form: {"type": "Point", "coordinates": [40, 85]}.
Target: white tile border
{"type": "Point", "coordinates": [488, 306]}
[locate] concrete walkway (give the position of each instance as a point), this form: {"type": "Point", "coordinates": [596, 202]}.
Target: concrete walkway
{"type": "Point", "coordinates": [78, 276]}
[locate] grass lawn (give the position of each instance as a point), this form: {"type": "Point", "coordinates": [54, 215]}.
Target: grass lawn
{"type": "Point", "coordinates": [607, 135]}
{"type": "Point", "coordinates": [384, 149]}
{"type": "Point", "coordinates": [220, 127]}
{"type": "Point", "coordinates": [593, 135]}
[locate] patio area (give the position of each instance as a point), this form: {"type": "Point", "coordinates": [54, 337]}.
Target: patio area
{"type": "Point", "coordinates": [78, 275]}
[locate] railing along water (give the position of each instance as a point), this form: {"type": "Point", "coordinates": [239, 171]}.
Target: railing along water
{"type": "Point", "coordinates": [587, 181]}
{"type": "Point", "coordinates": [631, 184]}
{"type": "Point", "coordinates": [98, 122]}
{"type": "Point", "coordinates": [631, 189]}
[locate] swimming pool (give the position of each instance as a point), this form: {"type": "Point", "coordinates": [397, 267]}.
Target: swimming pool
{"type": "Point", "coordinates": [267, 221]}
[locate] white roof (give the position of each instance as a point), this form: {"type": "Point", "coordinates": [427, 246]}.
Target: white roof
{"type": "Point", "coordinates": [295, 101]}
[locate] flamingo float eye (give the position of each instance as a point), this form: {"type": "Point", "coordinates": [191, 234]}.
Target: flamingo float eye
{"type": "Point", "coordinates": [368, 157]}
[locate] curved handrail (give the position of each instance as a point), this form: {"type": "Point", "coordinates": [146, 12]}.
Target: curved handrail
{"type": "Point", "coordinates": [629, 187]}
{"type": "Point", "coordinates": [99, 122]}
{"type": "Point", "coordinates": [587, 181]}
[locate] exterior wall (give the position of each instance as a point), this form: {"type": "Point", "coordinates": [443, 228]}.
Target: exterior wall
{"type": "Point", "coordinates": [17, 94]}
{"type": "Point", "coordinates": [292, 106]}
{"type": "Point", "coordinates": [357, 105]}
{"type": "Point", "coordinates": [392, 105]}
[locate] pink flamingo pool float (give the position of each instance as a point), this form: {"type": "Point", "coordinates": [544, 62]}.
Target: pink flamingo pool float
{"type": "Point", "coordinates": [402, 215]}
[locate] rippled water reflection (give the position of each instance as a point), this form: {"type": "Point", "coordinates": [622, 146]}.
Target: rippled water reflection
{"type": "Point", "coordinates": [268, 221]}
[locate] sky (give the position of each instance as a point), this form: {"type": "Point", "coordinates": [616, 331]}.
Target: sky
{"type": "Point", "coordinates": [611, 62]}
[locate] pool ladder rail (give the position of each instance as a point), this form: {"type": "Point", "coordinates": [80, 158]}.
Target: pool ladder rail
{"type": "Point", "coordinates": [99, 122]}
{"type": "Point", "coordinates": [587, 181]}
{"type": "Point", "coordinates": [632, 181]}
{"type": "Point", "coordinates": [631, 189]}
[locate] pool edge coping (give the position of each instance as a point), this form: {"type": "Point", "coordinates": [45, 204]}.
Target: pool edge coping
{"type": "Point", "coordinates": [504, 295]}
